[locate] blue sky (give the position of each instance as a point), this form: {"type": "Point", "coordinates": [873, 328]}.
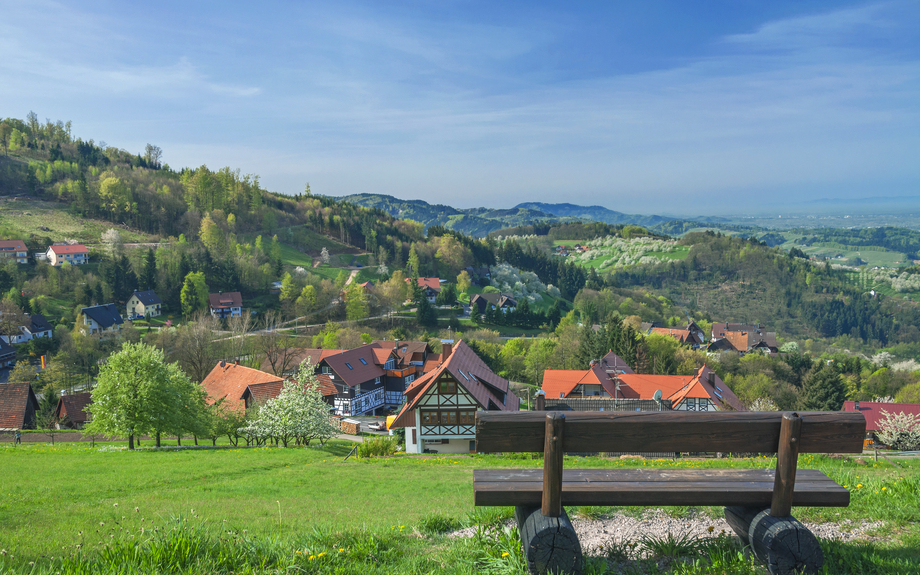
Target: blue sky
{"type": "Point", "coordinates": [648, 107]}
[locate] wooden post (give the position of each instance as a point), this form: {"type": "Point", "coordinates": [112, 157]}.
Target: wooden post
{"type": "Point", "coordinates": [785, 545]}
{"type": "Point", "coordinates": [787, 457]}
{"type": "Point", "coordinates": [552, 464]}
{"type": "Point", "coordinates": [550, 543]}
{"type": "Point", "coordinates": [540, 402]}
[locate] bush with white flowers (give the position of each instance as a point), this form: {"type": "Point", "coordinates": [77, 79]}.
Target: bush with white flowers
{"type": "Point", "coordinates": [509, 279]}
{"type": "Point", "coordinates": [899, 430]}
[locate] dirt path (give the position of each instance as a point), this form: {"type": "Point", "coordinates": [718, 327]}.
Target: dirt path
{"type": "Point", "coordinates": [351, 276]}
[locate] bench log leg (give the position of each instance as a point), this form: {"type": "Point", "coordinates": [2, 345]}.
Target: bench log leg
{"type": "Point", "coordinates": [782, 543]}
{"type": "Point", "coordinates": [550, 543]}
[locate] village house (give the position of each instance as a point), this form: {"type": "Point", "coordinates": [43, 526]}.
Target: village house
{"type": "Point", "coordinates": [440, 410]}
{"type": "Point", "coordinates": [35, 326]}
{"type": "Point", "coordinates": [239, 387]}
{"type": "Point", "coordinates": [226, 304]}
{"type": "Point", "coordinates": [7, 354]}
{"type": "Point", "coordinates": [71, 410]}
{"type": "Point", "coordinates": [14, 250]}
{"type": "Point", "coordinates": [500, 301]}
{"type": "Point", "coordinates": [18, 406]}
{"type": "Point", "coordinates": [872, 410]}
{"type": "Point", "coordinates": [74, 254]}
{"type": "Point", "coordinates": [703, 391]}
{"type": "Point", "coordinates": [742, 338]}
{"type": "Point", "coordinates": [431, 287]}
{"type": "Point", "coordinates": [143, 304]}
{"type": "Point", "coordinates": [101, 319]}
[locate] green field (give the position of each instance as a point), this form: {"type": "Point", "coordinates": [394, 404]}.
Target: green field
{"type": "Point", "coordinates": [20, 218]}
{"type": "Point", "coordinates": [266, 510]}
{"type": "Point", "coordinates": [847, 255]}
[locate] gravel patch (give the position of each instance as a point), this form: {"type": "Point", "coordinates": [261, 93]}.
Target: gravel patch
{"type": "Point", "coordinates": [595, 534]}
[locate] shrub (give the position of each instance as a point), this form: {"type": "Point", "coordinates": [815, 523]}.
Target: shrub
{"type": "Point", "coordinates": [900, 430]}
{"type": "Point", "coordinates": [377, 446]}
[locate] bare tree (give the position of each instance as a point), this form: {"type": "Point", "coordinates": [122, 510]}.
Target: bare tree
{"type": "Point", "coordinates": [11, 317]}
{"type": "Point", "coordinates": [198, 349]}
{"type": "Point", "coordinates": [153, 155]}
{"type": "Point", "coordinates": [275, 346]}
{"type": "Point", "coordinates": [240, 328]}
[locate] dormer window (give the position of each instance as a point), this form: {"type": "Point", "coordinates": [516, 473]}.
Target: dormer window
{"type": "Point", "coordinates": [362, 361]}
{"type": "Point", "coordinates": [348, 365]}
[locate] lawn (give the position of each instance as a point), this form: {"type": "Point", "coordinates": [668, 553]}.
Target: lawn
{"type": "Point", "coordinates": [268, 510]}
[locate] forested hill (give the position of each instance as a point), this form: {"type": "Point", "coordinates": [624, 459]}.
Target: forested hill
{"type": "Point", "coordinates": [477, 222]}
{"type": "Point", "coordinates": [594, 213]}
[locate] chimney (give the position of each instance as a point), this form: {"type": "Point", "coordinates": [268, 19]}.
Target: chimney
{"type": "Point", "coordinates": [711, 377]}
{"type": "Point", "coordinates": [856, 405]}
{"type": "Point", "coordinates": [236, 362]}
{"type": "Point", "coordinates": [446, 350]}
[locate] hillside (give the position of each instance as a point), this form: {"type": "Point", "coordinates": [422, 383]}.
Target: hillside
{"type": "Point", "coordinates": [596, 213]}
{"type": "Point", "coordinates": [476, 222]}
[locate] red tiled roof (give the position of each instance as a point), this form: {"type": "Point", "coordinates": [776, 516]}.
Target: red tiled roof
{"type": "Point", "coordinates": [472, 374]}
{"type": "Point", "coordinates": [382, 355]}
{"type": "Point", "coordinates": [70, 249]}
{"type": "Point", "coordinates": [430, 283]}
{"type": "Point", "coordinates": [358, 372]}
{"type": "Point", "coordinates": [679, 387]}
{"type": "Point", "coordinates": [681, 335]}
{"type": "Point", "coordinates": [228, 381]}
{"type": "Point", "coordinates": [15, 245]}
{"type": "Point", "coordinates": [14, 402]}
{"type": "Point", "coordinates": [872, 410]}
{"type": "Point", "coordinates": [73, 407]}
{"type": "Point", "coordinates": [225, 299]}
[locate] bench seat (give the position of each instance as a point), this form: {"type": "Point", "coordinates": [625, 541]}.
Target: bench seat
{"type": "Point", "coordinates": [685, 487]}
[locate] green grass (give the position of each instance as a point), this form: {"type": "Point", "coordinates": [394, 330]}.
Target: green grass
{"type": "Point", "coordinates": [23, 217]}
{"type": "Point", "coordinates": [267, 510]}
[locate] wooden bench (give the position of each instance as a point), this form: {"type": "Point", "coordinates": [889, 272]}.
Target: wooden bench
{"type": "Point", "coordinates": [757, 501]}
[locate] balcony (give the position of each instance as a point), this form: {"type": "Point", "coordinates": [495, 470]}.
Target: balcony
{"type": "Point", "coordinates": [361, 403]}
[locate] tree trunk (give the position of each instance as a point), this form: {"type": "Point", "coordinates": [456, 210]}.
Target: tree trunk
{"type": "Point", "coordinates": [550, 543]}
{"type": "Point", "coordinates": [130, 441]}
{"type": "Point", "coordinates": [195, 437]}
{"type": "Point", "coordinates": [782, 543]}
{"type": "Point", "coordinates": [158, 439]}
{"type": "Point", "coordinates": [179, 440]}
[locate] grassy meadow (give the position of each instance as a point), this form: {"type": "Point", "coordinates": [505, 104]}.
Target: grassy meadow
{"type": "Point", "coordinates": [23, 217]}
{"type": "Point", "coordinates": [77, 509]}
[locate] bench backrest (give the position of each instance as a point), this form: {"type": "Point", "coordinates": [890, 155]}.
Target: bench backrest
{"type": "Point", "coordinates": [692, 431]}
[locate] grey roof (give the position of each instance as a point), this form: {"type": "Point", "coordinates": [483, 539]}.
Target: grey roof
{"type": "Point", "coordinates": [6, 349]}
{"type": "Point", "coordinates": [148, 297]}
{"type": "Point", "coordinates": [106, 315]}
{"type": "Point", "coordinates": [39, 323]}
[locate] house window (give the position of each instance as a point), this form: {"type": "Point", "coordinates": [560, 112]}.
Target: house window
{"type": "Point", "coordinates": [348, 365]}
{"type": "Point", "coordinates": [429, 417]}
{"type": "Point", "coordinates": [327, 370]}
{"type": "Point", "coordinates": [377, 380]}
{"type": "Point", "coordinates": [362, 360]}
{"type": "Point", "coordinates": [467, 417]}
{"type": "Point", "coordinates": [410, 379]}
{"type": "Point", "coordinates": [447, 386]}
{"type": "Point", "coordinates": [448, 418]}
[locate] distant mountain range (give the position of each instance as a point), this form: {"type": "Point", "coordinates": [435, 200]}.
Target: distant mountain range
{"type": "Point", "coordinates": [482, 221]}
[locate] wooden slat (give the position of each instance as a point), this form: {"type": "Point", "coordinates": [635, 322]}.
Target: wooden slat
{"type": "Point", "coordinates": [650, 487]}
{"type": "Point", "coordinates": [632, 475]}
{"type": "Point", "coordinates": [523, 431]}
{"type": "Point", "coordinates": [552, 464]}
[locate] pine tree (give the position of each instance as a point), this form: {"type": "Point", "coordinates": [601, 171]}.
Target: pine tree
{"type": "Point", "coordinates": [823, 390]}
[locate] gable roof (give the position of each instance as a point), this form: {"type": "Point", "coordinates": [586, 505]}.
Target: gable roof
{"type": "Point", "coordinates": [73, 406]}
{"type": "Point", "coordinates": [680, 387]}
{"type": "Point", "coordinates": [37, 323]}
{"type": "Point", "coordinates": [106, 315]}
{"type": "Point", "coordinates": [603, 372]}
{"type": "Point", "coordinates": [14, 402]}
{"type": "Point", "coordinates": [351, 369]}
{"type": "Point", "coordinates": [69, 249]}
{"type": "Point", "coordinates": [13, 245]}
{"type": "Point", "coordinates": [490, 391]}
{"type": "Point", "coordinates": [228, 381]}
{"type": "Point", "coordinates": [228, 299]}
{"type": "Point", "coordinates": [406, 351]}
{"type": "Point", "coordinates": [6, 349]}
{"type": "Point", "coordinates": [147, 297]}
{"type": "Point", "coordinates": [872, 410]}
{"type": "Point", "coordinates": [681, 335]}
{"type": "Point", "coordinates": [430, 283]}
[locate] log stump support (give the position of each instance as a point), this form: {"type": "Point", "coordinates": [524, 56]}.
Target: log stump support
{"type": "Point", "coordinates": [550, 543]}
{"type": "Point", "coordinates": [783, 544]}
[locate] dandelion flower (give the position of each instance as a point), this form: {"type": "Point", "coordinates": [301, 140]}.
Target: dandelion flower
{"type": "Point", "coordinates": [341, 549]}
{"type": "Point", "coordinates": [312, 558]}
{"type": "Point", "coordinates": [858, 485]}
{"type": "Point", "coordinates": [505, 554]}
{"type": "Point", "coordinates": [884, 488]}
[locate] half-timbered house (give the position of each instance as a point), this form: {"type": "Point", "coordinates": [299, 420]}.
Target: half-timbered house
{"type": "Point", "coordinates": [440, 410]}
